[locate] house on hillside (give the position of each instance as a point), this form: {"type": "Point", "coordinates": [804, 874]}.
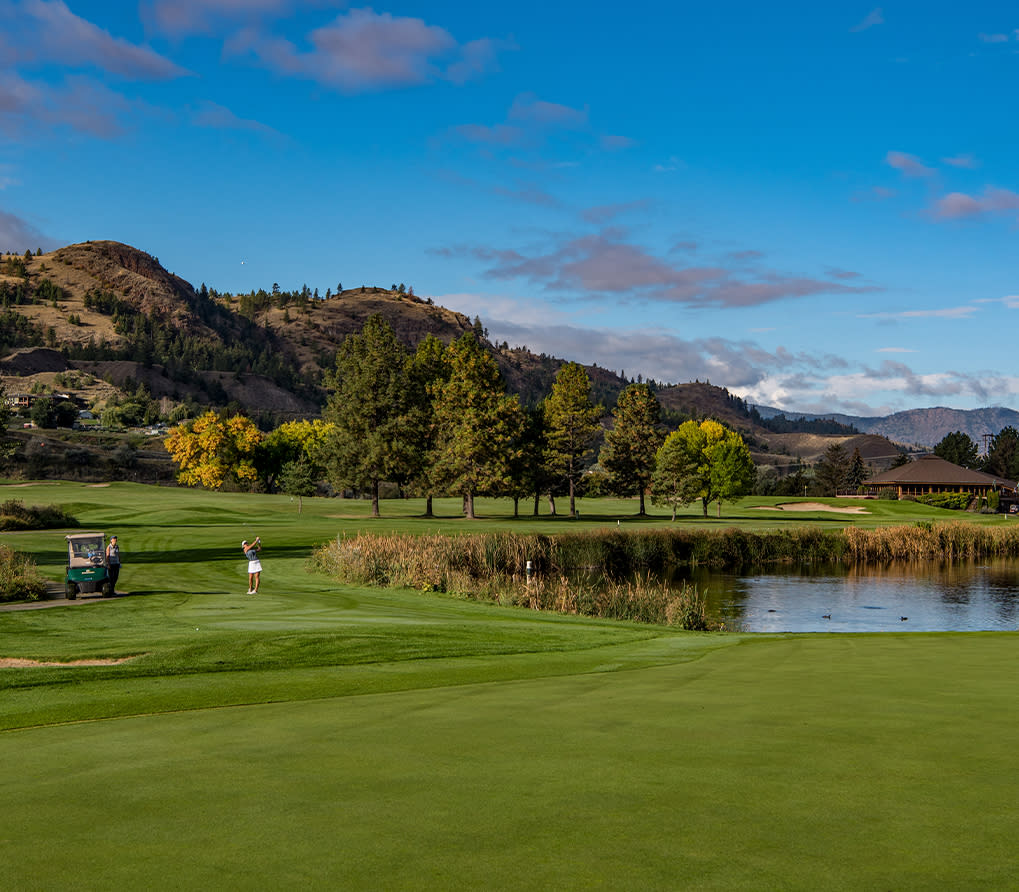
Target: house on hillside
{"type": "Point", "coordinates": [931, 474]}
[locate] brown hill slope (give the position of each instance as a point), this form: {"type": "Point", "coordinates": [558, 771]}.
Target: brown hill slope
{"type": "Point", "coordinates": [302, 336]}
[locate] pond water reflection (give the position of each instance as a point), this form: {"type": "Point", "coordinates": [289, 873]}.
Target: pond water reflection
{"type": "Point", "coordinates": [958, 596]}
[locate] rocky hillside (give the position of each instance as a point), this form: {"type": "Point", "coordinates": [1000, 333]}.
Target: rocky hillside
{"type": "Point", "coordinates": [114, 312]}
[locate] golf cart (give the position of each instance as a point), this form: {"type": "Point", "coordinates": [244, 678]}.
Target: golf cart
{"type": "Point", "coordinates": [86, 565]}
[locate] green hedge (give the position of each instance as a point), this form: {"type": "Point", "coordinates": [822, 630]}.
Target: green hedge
{"type": "Point", "coordinates": [954, 501]}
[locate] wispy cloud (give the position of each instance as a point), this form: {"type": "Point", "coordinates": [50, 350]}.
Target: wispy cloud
{"type": "Point", "coordinates": [179, 18]}
{"type": "Point", "coordinates": [894, 350]}
{"type": "Point", "coordinates": [79, 103]}
{"type": "Point", "coordinates": [605, 212]}
{"type": "Point", "coordinates": [965, 161]}
{"type": "Point", "coordinates": [993, 38]}
{"type": "Point", "coordinates": [362, 50]}
{"type": "Point", "coordinates": [615, 143]}
{"type": "Point", "coordinates": [531, 122]}
{"type": "Point", "coordinates": [960, 206]}
{"type": "Point", "coordinates": [795, 381]}
{"type": "Point", "coordinates": [875, 193]}
{"type": "Point", "coordinates": [962, 312]}
{"type": "Point", "coordinates": [17, 234]}
{"type": "Point", "coordinates": [674, 163]}
{"type": "Point", "coordinates": [605, 264]}
{"type": "Point", "coordinates": [908, 165]}
{"type": "Point", "coordinates": [529, 109]}
{"type": "Point", "coordinates": [874, 17]}
{"type": "Point", "coordinates": [50, 32]}
{"type": "Point", "coordinates": [218, 117]}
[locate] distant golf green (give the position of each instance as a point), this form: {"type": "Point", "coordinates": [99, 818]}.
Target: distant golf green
{"type": "Point", "coordinates": [338, 737]}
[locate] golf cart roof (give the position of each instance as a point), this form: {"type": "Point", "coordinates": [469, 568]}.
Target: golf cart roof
{"type": "Point", "coordinates": [73, 537]}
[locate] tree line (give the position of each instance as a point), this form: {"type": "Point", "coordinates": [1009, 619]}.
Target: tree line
{"type": "Point", "coordinates": [439, 421]}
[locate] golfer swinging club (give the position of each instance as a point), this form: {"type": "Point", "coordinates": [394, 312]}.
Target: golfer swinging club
{"type": "Point", "coordinates": [251, 550]}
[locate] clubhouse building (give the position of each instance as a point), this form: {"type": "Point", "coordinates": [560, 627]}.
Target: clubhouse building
{"type": "Point", "coordinates": [930, 474]}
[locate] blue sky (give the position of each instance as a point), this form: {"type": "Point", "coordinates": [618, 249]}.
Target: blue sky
{"type": "Point", "coordinates": [814, 205]}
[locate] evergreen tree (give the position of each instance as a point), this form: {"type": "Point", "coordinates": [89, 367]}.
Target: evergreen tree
{"type": "Point", "coordinates": [371, 441]}
{"type": "Point", "coordinates": [959, 449]}
{"type": "Point", "coordinates": [857, 471]}
{"type": "Point", "coordinates": [832, 470]}
{"type": "Point", "coordinates": [571, 427]}
{"type": "Point", "coordinates": [478, 425]}
{"type": "Point", "coordinates": [428, 371]}
{"type": "Point", "coordinates": [628, 456]}
{"type": "Point", "coordinates": [1003, 456]}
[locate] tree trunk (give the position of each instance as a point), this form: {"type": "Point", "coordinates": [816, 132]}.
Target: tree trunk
{"type": "Point", "coordinates": [704, 506]}
{"type": "Point", "coordinates": [469, 505]}
{"type": "Point", "coordinates": [673, 510]}
{"type": "Point", "coordinates": [573, 501]}
{"type": "Point", "coordinates": [642, 512]}
{"type": "Point", "coordinates": [516, 506]}
{"type": "Point", "coordinates": [300, 504]}
{"type": "Point", "coordinates": [551, 503]}
{"type": "Point", "coordinates": [537, 499]}
{"type": "Point", "coordinates": [375, 498]}
{"type": "Point", "coordinates": [428, 506]}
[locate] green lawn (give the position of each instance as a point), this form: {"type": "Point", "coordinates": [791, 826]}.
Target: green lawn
{"type": "Point", "coordinates": [335, 737]}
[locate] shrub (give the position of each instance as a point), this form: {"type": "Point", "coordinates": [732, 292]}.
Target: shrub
{"type": "Point", "coordinates": [954, 501]}
{"type": "Point", "coordinates": [19, 579]}
{"type": "Point", "coordinates": [15, 515]}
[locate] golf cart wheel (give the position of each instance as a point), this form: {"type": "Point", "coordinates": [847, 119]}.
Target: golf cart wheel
{"type": "Point", "coordinates": [107, 589]}
{"type": "Point", "coordinates": [72, 591]}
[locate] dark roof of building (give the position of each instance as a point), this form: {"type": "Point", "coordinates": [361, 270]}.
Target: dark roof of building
{"type": "Point", "coordinates": [934, 470]}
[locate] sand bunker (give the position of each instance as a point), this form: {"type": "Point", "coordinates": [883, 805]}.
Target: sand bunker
{"type": "Point", "coordinates": [18, 663]}
{"type": "Point", "coordinates": [812, 506]}
{"type": "Point", "coordinates": [96, 485]}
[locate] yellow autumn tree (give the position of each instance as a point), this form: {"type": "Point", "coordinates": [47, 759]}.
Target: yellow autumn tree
{"type": "Point", "coordinates": [210, 450]}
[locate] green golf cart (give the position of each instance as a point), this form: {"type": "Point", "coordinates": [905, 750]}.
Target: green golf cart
{"type": "Point", "coordinates": [86, 566]}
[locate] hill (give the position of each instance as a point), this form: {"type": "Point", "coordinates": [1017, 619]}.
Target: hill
{"type": "Point", "coordinates": [117, 315]}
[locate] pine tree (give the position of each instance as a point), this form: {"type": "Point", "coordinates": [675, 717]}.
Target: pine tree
{"type": "Point", "coordinates": [959, 449]}
{"type": "Point", "coordinates": [428, 372]}
{"type": "Point", "coordinates": [628, 456]}
{"type": "Point", "coordinates": [857, 471]}
{"type": "Point", "coordinates": [372, 441]}
{"type": "Point", "coordinates": [478, 425]}
{"type": "Point", "coordinates": [833, 469]}
{"type": "Point", "coordinates": [571, 427]}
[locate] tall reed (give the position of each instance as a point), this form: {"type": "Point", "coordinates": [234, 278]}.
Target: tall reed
{"type": "Point", "coordinates": [494, 565]}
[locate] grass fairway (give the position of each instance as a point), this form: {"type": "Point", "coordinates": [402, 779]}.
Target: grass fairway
{"type": "Point", "coordinates": [352, 738]}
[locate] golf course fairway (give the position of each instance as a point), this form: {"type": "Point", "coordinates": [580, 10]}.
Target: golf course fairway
{"type": "Point", "coordinates": [321, 736]}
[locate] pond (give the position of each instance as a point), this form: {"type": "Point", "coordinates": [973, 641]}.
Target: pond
{"type": "Point", "coordinates": [919, 597]}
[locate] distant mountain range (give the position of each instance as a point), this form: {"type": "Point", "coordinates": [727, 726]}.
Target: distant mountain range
{"type": "Point", "coordinates": [920, 427]}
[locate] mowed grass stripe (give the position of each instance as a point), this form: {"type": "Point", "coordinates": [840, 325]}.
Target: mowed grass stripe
{"type": "Point", "coordinates": [811, 762]}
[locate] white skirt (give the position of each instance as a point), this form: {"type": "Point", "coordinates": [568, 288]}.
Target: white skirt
{"type": "Point", "coordinates": [255, 566]}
